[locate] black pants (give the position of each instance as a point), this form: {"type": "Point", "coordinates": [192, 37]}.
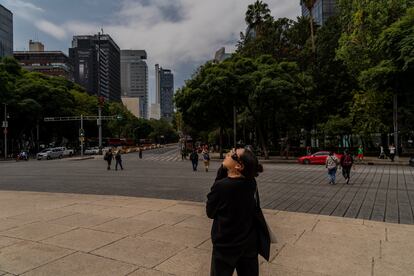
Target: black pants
{"type": "Point", "coordinates": [246, 266]}
{"type": "Point", "coordinates": [195, 164]}
{"type": "Point", "coordinates": [120, 164]}
{"type": "Point", "coordinates": [346, 172]}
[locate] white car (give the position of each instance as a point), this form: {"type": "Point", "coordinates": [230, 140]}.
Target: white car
{"type": "Point", "coordinates": [91, 151]}
{"type": "Point", "coordinates": [50, 153]}
{"type": "Point", "coordinates": [66, 151]}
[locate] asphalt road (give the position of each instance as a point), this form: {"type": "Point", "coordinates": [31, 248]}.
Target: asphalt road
{"type": "Point", "coordinates": [383, 193]}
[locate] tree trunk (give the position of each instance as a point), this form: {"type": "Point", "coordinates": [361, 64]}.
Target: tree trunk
{"type": "Point", "coordinates": [221, 143]}
{"type": "Point", "coordinates": [312, 32]}
{"type": "Point", "coordinates": [263, 142]}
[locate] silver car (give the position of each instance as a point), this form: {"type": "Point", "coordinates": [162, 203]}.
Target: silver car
{"type": "Point", "coordinates": [50, 153]}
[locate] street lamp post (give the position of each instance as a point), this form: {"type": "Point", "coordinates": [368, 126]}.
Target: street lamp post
{"type": "Point", "coordinates": [5, 126]}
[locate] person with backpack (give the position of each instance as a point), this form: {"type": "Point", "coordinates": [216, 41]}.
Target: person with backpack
{"type": "Point", "coordinates": [331, 164]}
{"type": "Point", "coordinates": [346, 163]}
{"type": "Point", "coordinates": [194, 159]}
{"type": "Point", "coordinates": [206, 158]}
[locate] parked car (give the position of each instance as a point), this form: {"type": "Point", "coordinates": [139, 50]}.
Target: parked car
{"type": "Point", "coordinates": [50, 153]}
{"type": "Point", "coordinates": [411, 161]}
{"type": "Point", "coordinates": [317, 158]}
{"type": "Point", "coordinates": [90, 151]}
{"type": "Point", "coordinates": [66, 151]}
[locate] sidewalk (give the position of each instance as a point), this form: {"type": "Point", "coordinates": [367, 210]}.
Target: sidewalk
{"type": "Point", "coordinates": [70, 234]}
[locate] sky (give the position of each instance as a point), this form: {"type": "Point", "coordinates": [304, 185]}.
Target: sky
{"type": "Point", "coordinates": [179, 35]}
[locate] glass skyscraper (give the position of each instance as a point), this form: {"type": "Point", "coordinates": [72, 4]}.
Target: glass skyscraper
{"type": "Point", "coordinates": [134, 78]}
{"type": "Point", "coordinates": [6, 32]}
{"type": "Point", "coordinates": [322, 10]}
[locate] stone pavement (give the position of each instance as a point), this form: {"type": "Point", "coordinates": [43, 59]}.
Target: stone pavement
{"type": "Point", "coordinates": [75, 234]}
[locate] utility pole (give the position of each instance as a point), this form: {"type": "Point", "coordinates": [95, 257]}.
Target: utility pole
{"type": "Point", "coordinates": [81, 138]}
{"type": "Point", "coordinates": [5, 126]}
{"type": "Point", "coordinates": [395, 121]}
{"type": "Point", "coordinates": [99, 121]}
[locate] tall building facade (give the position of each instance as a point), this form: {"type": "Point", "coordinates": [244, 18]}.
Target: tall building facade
{"type": "Point", "coordinates": [134, 78]}
{"type": "Point", "coordinates": [322, 10]}
{"type": "Point", "coordinates": [6, 32]}
{"type": "Point", "coordinates": [164, 92]}
{"type": "Point", "coordinates": [96, 61]}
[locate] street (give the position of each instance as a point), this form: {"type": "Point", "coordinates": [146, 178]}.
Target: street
{"type": "Point", "coordinates": [381, 193]}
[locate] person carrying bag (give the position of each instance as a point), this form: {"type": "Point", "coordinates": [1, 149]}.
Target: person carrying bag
{"type": "Point", "coordinates": [239, 232]}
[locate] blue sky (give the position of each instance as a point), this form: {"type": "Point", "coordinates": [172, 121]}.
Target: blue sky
{"type": "Point", "coordinates": [178, 34]}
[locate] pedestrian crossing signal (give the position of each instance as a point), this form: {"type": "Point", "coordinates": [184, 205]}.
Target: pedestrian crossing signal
{"type": "Point", "coordinates": [81, 132]}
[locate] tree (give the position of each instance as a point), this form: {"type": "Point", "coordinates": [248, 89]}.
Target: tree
{"type": "Point", "coordinates": [309, 4]}
{"type": "Point", "coordinates": [257, 15]}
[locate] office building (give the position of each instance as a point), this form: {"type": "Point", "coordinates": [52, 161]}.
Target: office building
{"type": "Point", "coordinates": [36, 46]}
{"type": "Point", "coordinates": [96, 61]}
{"type": "Point", "coordinates": [6, 32]}
{"type": "Point", "coordinates": [322, 10]}
{"type": "Point", "coordinates": [221, 55]}
{"type": "Point", "coordinates": [52, 63]}
{"type": "Point", "coordinates": [134, 78]}
{"type": "Point", "coordinates": [164, 82]}
{"type": "Point", "coordinates": [133, 105]}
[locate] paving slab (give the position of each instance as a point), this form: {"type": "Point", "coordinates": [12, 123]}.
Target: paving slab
{"type": "Point", "coordinates": [149, 272]}
{"type": "Point", "coordinates": [127, 226]}
{"type": "Point", "coordinates": [7, 223]}
{"type": "Point", "coordinates": [195, 209]}
{"type": "Point", "coordinates": [5, 241]}
{"type": "Point", "coordinates": [162, 217]}
{"type": "Point", "coordinates": [329, 254]}
{"type": "Point", "coordinates": [197, 222]}
{"type": "Point", "coordinates": [82, 220]}
{"type": "Point", "coordinates": [42, 215]}
{"type": "Point", "coordinates": [179, 235]}
{"type": "Point", "coordinates": [140, 251]}
{"type": "Point", "coordinates": [36, 231]}
{"type": "Point", "coordinates": [190, 261]}
{"type": "Point", "coordinates": [26, 255]}
{"type": "Point", "coordinates": [83, 264]}
{"type": "Point", "coordinates": [84, 240]}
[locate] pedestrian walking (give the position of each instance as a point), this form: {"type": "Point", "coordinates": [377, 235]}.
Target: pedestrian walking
{"type": "Point", "coordinates": [382, 153]}
{"type": "Point", "coordinates": [140, 153]}
{"type": "Point", "coordinates": [108, 158]}
{"type": "Point", "coordinates": [392, 152]}
{"type": "Point", "coordinates": [239, 232]}
{"type": "Point", "coordinates": [346, 163]}
{"type": "Point", "coordinates": [194, 159]}
{"type": "Point", "coordinates": [118, 160]}
{"type": "Point", "coordinates": [331, 164]}
{"type": "Point", "coordinates": [183, 154]}
{"type": "Point", "coordinates": [360, 153]}
{"type": "Point", "coordinates": [206, 158]}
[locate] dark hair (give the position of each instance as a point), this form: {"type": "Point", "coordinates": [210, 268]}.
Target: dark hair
{"type": "Point", "coordinates": [251, 166]}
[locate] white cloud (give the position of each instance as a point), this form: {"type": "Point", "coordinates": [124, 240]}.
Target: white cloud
{"type": "Point", "coordinates": [51, 29]}
{"type": "Point", "coordinates": [25, 10]}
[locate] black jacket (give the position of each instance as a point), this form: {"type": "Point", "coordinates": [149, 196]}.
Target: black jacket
{"type": "Point", "coordinates": [238, 219]}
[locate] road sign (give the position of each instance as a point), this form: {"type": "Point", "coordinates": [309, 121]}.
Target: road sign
{"type": "Point", "coordinates": [5, 124]}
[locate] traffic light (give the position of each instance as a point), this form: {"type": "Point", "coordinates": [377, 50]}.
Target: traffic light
{"type": "Point", "coordinates": [81, 132]}
{"type": "Point", "coordinates": [119, 117]}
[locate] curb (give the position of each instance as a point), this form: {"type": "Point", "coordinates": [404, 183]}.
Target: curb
{"type": "Point", "coordinates": [82, 158]}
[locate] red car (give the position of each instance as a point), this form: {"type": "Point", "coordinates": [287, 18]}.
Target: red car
{"type": "Point", "coordinates": [317, 158]}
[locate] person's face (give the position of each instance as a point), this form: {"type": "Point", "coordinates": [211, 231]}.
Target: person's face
{"type": "Point", "coordinates": [232, 160]}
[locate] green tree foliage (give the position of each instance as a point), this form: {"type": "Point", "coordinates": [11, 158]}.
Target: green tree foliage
{"type": "Point", "coordinates": [288, 78]}
{"type": "Point", "coordinates": [30, 97]}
